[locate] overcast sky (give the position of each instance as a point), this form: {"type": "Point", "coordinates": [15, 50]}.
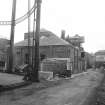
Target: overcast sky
{"type": "Point", "coordinates": [83, 17]}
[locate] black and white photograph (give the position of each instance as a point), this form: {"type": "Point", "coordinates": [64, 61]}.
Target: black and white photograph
{"type": "Point", "coordinates": [52, 52]}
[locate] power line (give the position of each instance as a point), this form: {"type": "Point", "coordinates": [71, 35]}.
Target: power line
{"type": "Point", "coordinates": [22, 18]}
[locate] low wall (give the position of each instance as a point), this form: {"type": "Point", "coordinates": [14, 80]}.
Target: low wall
{"type": "Point", "coordinates": [55, 66]}
{"type": "Point", "coordinates": [45, 75]}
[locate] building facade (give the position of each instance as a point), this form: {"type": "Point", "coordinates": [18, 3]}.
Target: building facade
{"type": "Point", "coordinates": [51, 46]}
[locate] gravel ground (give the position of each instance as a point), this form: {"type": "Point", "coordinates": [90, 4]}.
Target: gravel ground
{"type": "Point", "coordinates": [63, 92]}
{"type": "Point", "coordinates": [98, 94]}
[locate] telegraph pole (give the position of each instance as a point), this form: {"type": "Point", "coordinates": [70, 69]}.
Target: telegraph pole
{"type": "Point", "coordinates": [10, 65]}
{"type": "Point", "coordinates": [35, 74]}
{"type": "Point", "coordinates": [28, 33]}
{"type": "Point", "coordinates": [33, 52]}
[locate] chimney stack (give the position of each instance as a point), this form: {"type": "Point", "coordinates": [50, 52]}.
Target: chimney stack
{"type": "Point", "coordinates": [63, 34]}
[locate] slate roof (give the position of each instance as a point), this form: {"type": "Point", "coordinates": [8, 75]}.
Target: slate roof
{"type": "Point", "coordinates": [46, 38]}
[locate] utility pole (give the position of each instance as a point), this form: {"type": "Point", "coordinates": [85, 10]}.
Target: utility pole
{"type": "Point", "coordinates": [35, 74]}
{"type": "Point", "coordinates": [10, 65]}
{"type": "Point", "coordinates": [33, 42]}
{"type": "Point", "coordinates": [28, 33]}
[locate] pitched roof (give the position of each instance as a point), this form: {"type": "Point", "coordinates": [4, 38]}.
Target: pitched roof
{"type": "Point", "coordinates": [46, 38]}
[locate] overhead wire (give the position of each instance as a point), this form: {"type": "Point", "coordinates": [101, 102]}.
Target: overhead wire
{"type": "Point", "coordinates": [22, 18]}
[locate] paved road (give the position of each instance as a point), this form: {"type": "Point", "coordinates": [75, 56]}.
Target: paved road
{"type": "Point", "coordinates": [73, 92]}
{"type": "Point", "coordinates": [8, 79]}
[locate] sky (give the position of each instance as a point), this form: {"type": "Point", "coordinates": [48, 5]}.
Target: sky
{"type": "Point", "coordinates": [83, 17]}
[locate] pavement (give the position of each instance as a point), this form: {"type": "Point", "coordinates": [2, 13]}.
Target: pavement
{"type": "Point", "coordinates": [73, 91]}
{"type": "Point", "coordinates": [11, 81]}
{"type": "Point", "coordinates": [8, 79]}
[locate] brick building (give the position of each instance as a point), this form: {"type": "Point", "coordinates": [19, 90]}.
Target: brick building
{"type": "Point", "coordinates": [50, 45]}
{"type": "Point", "coordinates": [4, 45]}
{"type": "Point", "coordinates": [79, 62]}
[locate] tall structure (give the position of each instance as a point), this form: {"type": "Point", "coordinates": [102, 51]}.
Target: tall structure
{"type": "Point", "coordinates": [35, 75]}
{"type": "Point", "coordinates": [29, 33]}
{"type": "Point", "coordinates": [77, 40]}
{"type": "Point", "coordinates": [63, 34]}
{"type": "Point", "coordinates": [10, 65]}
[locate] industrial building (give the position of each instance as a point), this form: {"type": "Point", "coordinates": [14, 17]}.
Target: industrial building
{"type": "Point", "coordinates": [51, 46]}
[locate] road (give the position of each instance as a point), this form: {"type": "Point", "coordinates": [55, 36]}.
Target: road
{"type": "Point", "coordinates": [74, 91]}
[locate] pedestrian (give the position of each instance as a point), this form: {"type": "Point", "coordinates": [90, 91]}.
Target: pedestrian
{"type": "Point", "coordinates": [27, 73]}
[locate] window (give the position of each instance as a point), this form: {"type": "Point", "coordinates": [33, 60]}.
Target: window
{"type": "Point", "coordinates": [18, 53]}
{"type": "Point", "coordinates": [42, 56]}
{"type": "Point", "coordinates": [2, 63]}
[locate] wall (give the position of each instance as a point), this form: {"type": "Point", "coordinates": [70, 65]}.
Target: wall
{"type": "Point", "coordinates": [49, 51]}
{"type": "Point", "coordinates": [52, 52]}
